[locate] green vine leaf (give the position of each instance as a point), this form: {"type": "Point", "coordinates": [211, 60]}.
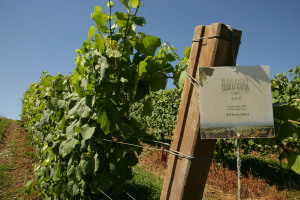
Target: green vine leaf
{"type": "Point", "coordinates": [158, 82]}
{"type": "Point", "coordinates": [134, 3]}
{"type": "Point", "coordinates": [100, 18]}
{"type": "Point", "coordinates": [87, 166]}
{"type": "Point", "coordinates": [99, 43]}
{"type": "Point", "coordinates": [142, 68]}
{"type": "Point", "coordinates": [182, 79]}
{"type": "Point", "coordinates": [294, 161]}
{"type": "Point", "coordinates": [87, 131]}
{"type": "Point", "coordinates": [138, 20]}
{"type": "Point", "coordinates": [147, 110]}
{"type": "Point", "coordinates": [142, 90]}
{"type": "Point", "coordinates": [69, 145]}
{"type": "Point", "coordinates": [104, 122]}
{"type": "Point", "coordinates": [97, 163]}
{"type": "Point", "coordinates": [148, 44]}
{"type": "Point", "coordinates": [61, 103]}
{"type": "Point", "coordinates": [121, 19]}
{"type": "Point", "coordinates": [91, 32]}
{"type": "Point", "coordinates": [101, 68]}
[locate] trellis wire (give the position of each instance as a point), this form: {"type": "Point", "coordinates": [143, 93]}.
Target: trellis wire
{"type": "Point", "coordinates": [129, 195]}
{"type": "Point", "coordinates": [155, 141]}
{"type": "Point", "coordinates": [111, 198]}
{"type": "Point", "coordinates": [105, 194]}
{"type": "Point", "coordinates": [170, 151]}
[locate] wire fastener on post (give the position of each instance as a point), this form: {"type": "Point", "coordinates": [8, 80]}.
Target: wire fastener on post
{"type": "Point", "coordinates": [212, 37]}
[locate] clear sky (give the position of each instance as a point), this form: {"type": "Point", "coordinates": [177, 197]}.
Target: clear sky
{"type": "Point", "coordinates": [42, 35]}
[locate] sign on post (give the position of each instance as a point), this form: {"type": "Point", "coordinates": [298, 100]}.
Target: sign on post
{"type": "Point", "coordinates": [236, 102]}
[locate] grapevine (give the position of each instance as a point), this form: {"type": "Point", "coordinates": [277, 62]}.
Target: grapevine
{"type": "Point", "coordinates": [69, 116]}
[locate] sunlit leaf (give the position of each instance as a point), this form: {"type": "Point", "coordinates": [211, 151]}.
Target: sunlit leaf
{"type": "Point", "coordinates": [69, 145]}
{"type": "Point", "coordinates": [100, 18]}
{"type": "Point", "coordinates": [134, 3]}
{"type": "Point", "coordinates": [142, 68]}
{"type": "Point", "coordinates": [148, 44]}
{"type": "Point", "coordinates": [99, 43]}
{"type": "Point", "coordinates": [97, 163]}
{"type": "Point", "coordinates": [182, 79]}
{"type": "Point", "coordinates": [91, 32]}
{"type": "Point", "coordinates": [87, 131]}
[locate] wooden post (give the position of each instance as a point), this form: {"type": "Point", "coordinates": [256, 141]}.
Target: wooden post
{"type": "Point", "coordinates": [185, 179]}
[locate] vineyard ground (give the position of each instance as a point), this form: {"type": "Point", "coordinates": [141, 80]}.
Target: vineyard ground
{"type": "Point", "coordinates": [16, 168]}
{"type": "Point", "coordinates": [16, 163]}
{"type": "Point", "coordinates": [261, 177]}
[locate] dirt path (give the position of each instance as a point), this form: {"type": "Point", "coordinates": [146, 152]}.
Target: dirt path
{"type": "Point", "coordinates": [16, 164]}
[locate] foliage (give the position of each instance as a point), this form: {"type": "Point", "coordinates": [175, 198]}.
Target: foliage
{"type": "Point", "coordinates": [159, 113]}
{"type": "Point", "coordinates": [4, 122]}
{"type": "Point", "coordinates": [224, 149]}
{"type": "Point", "coordinates": [69, 116]}
{"type": "Point", "coordinates": [286, 108]}
{"type": "Point", "coordinates": [180, 68]}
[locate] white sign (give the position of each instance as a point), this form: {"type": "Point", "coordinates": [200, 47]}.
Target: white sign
{"type": "Point", "coordinates": [236, 102]}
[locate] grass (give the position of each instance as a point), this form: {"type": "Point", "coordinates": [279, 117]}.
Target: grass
{"type": "Point", "coordinates": [5, 178]}
{"type": "Point", "coordinates": [144, 185]}
{"type": "Point", "coordinates": [4, 122]}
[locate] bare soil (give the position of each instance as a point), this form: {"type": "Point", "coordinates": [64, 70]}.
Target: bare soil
{"type": "Point", "coordinates": [15, 152]}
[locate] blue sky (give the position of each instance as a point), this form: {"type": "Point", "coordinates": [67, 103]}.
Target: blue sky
{"type": "Point", "coordinates": [42, 35]}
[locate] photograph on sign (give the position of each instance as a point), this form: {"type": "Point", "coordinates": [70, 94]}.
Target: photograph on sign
{"type": "Point", "coordinates": [236, 102]}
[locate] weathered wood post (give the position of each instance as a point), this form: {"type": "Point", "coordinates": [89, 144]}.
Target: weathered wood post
{"type": "Point", "coordinates": [185, 178]}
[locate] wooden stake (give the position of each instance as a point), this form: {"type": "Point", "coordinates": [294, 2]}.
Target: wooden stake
{"type": "Point", "coordinates": [186, 179]}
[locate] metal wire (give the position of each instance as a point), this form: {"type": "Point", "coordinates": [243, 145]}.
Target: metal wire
{"type": "Point", "coordinates": [105, 194]}
{"type": "Point", "coordinates": [170, 151]}
{"type": "Point", "coordinates": [155, 141]}
{"type": "Point", "coordinates": [192, 79]}
{"type": "Point", "coordinates": [129, 195]}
